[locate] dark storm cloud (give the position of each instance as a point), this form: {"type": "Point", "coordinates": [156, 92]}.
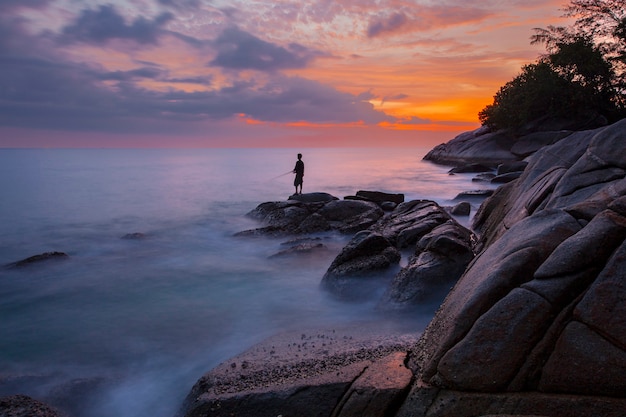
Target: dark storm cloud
{"type": "Point", "coordinates": [105, 23]}
{"type": "Point", "coordinates": [240, 50]}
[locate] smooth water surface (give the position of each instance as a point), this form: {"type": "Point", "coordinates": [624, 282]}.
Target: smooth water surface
{"type": "Point", "coordinates": [129, 325]}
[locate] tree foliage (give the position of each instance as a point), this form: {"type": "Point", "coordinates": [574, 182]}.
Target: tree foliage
{"type": "Point", "coordinates": [582, 73]}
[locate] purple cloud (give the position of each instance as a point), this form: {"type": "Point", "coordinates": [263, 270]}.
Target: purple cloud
{"type": "Point", "coordinates": [104, 24]}
{"type": "Point", "coordinates": [7, 6]}
{"type": "Point", "coordinates": [240, 50]}
{"type": "Point", "coordinates": [387, 24]}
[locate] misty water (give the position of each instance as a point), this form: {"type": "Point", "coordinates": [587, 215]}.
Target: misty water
{"type": "Point", "coordinates": [124, 328]}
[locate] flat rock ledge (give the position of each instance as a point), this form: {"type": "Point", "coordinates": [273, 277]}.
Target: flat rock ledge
{"type": "Point", "coordinates": [320, 372]}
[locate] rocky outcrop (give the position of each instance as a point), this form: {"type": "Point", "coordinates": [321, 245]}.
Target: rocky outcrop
{"type": "Point", "coordinates": [442, 250]}
{"type": "Point", "coordinates": [538, 317]}
{"type": "Point", "coordinates": [311, 214]}
{"type": "Point", "coordinates": [340, 373]}
{"type": "Point", "coordinates": [440, 258]}
{"type": "Point", "coordinates": [482, 146]}
{"type": "Point", "coordinates": [534, 326]}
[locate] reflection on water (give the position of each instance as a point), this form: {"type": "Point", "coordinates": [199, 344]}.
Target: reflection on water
{"type": "Point", "coordinates": [127, 326]}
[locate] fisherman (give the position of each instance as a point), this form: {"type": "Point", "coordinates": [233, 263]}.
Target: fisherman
{"type": "Point", "coordinates": [299, 171]}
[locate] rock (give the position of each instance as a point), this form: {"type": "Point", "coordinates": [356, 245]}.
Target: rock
{"type": "Point", "coordinates": [380, 388]}
{"type": "Point", "coordinates": [308, 373]}
{"type": "Point", "coordinates": [299, 249]}
{"type": "Point", "coordinates": [508, 167]}
{"type": "Point", "coordinates": [471, 168]}
{"type": "Point", "coordinates": [350, 216]}
{"type": "Point", "coordinates": [484, 177]}
{"type": "Point", "coordinates": [462, 209]}
{"type": "Point", "coordinates": [388, 206]}
{"type": "Point", "coordinates": [313, 197]}
{"type": "Point", "coordinates": [504, 178]}
{"type": "Point", "coordinates": [380, 197]}
{"type": "Point", "coordinates": [37, 259]}
{"type": "Point", "coordinates": [297, 217]}
{"type": "Point", "coordinates": [478, 146]}
{"type": "Point", "coordinates": [440, 259]}
{"type": "Point", "coordinates": [481, 194]}
{"type": "Point", "coordinates": [364, 257]}
{"type": "Point", "coordinates": [536, 323]}
{"type": "Point", "coordinates": [443, 250]}
{"type": "Point", "coordinates": [23, 406]}
{"type": "Point", "coordinates": [134, 236]}
{"type": "Point", "coordinates": [531, 143]}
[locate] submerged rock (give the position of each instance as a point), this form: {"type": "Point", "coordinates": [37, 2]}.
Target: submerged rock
{"type": "Point", "coordinates": [37, 259]}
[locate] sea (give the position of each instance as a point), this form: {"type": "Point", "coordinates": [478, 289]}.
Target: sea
{"type": "Point", "coordinates": [125, 327]}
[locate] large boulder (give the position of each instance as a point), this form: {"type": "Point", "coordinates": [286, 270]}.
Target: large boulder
{"type": "Point", "coordinates": [361, 260]}
{"type": "Point", "coordinates": [311, 213]}
{"type": "Point", "coordinates": [538, 317]}
{"type": "Point", "coordinates": [372, 252]}
{"type": "Point", "coordinates": [478, 146]}
{"type": "Point", "coordinates": [440, 259]}
{"type": "Point", "coordinates": [310, 373]}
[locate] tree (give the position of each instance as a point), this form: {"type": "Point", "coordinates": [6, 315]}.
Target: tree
{"type": "Point", "coordinates": [538, 92]}
{"type": "Point", "coordinates": [603, 22]}
{"type": "Point", "coordinates": [583, 72]}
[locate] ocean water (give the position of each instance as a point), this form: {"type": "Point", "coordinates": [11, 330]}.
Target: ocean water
{"type": "Point", "coordinates": [124, 328]}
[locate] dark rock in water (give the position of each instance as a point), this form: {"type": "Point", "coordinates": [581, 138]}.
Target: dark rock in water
{"type": "Point", "coordinates": [474, 194]}
{"type": "Point", "coordinates": [471, 168]}
{"type": "Point", "coordinates": [296, 217]}
{"type": "Point", "coordinates": [372, 252]}
{"type": "Point", "coordinates": [380, 197]}
{"type": "Point", "coordinates": [504, 178]}
{"type": "Point", "coordinates": [134, 236]}
{"type": "Point", "coordinates": [299, 249]}
{"type": "Point", "coordinates": [366, 254]}
{"type": "Point", "coordinates": [462, 209]}
{"type": "Point", "coordinates": [23, 406]}
{"type": "Point", "coordinates": [440, 259]}
{"type": "Point", "coordinates": [478, 146]}
{"type": "Point", "coordinates": [484, 177]}
{"type": "Point", "coordinates": [313, 197]}
{"type": "Point", "coordinates": [36, 259]}
{"type": "Point", "coordinates": [350, 216]}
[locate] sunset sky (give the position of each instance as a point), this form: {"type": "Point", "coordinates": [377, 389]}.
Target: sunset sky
{"type": "Point", "coordinates": [200, 73]}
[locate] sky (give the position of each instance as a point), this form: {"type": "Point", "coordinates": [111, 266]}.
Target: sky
{"type": "Point", "coordinates": [256, 73]}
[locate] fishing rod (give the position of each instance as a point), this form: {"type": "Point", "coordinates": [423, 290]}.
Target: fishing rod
{"type": "Point", "coordinates": [282, 175]}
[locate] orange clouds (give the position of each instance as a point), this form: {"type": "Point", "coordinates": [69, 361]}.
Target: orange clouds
{"type": "Point", "coordinates": [262, 69]}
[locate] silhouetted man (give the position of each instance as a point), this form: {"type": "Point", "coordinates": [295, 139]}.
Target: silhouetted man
{"type": "Point", "coordinates": [299, 171]}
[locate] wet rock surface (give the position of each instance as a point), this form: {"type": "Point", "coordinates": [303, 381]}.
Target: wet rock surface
{"type": "Point", "coordinates": [538, 317]}
{"type": "Point", "coordinates": [315, 372]}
